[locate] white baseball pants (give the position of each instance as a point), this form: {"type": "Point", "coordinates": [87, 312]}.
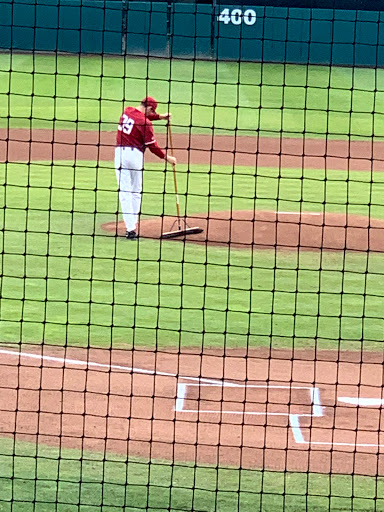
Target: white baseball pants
{"type": "Point", "coordinates": [129, 173]}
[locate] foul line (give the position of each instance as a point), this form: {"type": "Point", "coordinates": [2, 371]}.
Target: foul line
{"type": "Point", "coordinates": [90, 364]}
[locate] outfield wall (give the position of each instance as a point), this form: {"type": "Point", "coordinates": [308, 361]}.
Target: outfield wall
{"type": "Point", "coordinates": [250, 33]}
{"type": "Point", "coordinates": [89, 26]}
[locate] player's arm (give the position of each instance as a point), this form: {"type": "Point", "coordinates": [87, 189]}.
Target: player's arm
{"type": "Point", "coordinates": [156, 150]}
{"type": "Point", "coordinates": [152, 145]}
{"type": "Point", "coordinates": [159, 117]}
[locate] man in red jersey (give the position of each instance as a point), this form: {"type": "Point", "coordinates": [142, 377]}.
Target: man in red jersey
{"type": "Point", "coordinates": [134, 135]}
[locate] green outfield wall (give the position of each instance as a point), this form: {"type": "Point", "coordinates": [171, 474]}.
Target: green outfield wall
{"type": "Point", "coordinates": [250, 33]}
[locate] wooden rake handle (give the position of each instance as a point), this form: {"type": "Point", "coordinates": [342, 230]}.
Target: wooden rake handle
{"type": "Point", "coordinates": [174, 175]}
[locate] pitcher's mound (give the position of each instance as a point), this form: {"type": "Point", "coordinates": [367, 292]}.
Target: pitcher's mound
{"type": "Point", "coordinates": [269, 229]}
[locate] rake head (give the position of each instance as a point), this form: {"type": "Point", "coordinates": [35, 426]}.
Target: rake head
{"type": "Point", "coordinates": [182, 232]}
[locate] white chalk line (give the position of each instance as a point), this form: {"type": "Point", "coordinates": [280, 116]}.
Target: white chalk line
{"type": "Point", "coordinates": [296, 430]}
{"type": "Point", "coordinates": [294, 421]}
{"type": "Point", "coordinates": [316, 402]}
{"type": "Point", "coordinates": [180, 408]}
{"type": "Point", "coordinates": [361, 401]}
{"type": "Point", "coordinates": [314, 394]}
{"type": "Point", "coordinates": [180, 397]}
{"type": "Point", "coordinates": [261, 386]}
{"type": "Point", "coordinates": [250, 413]}
{"type": "Point", "coordinates": [91, 364]}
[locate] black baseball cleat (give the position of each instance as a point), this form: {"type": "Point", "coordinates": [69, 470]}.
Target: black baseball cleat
{"type": "Point", "coordinates": [131, 235]}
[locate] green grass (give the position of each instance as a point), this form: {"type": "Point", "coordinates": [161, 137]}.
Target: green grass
{"type": "Point", "coordinates": [39, 476]}
{"type": "Point", "coordinates": [65, 281]}
{"type": "Point", "coordinates": [83, 91]}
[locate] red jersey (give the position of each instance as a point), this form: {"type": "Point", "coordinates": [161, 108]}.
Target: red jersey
{"type": "Point", "coordinates": [136, 131]}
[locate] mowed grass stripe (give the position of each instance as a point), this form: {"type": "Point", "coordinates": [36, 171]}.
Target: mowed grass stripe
{"type": "Point", "coordinates": [88, 92]}
{"type": "Point", "coordinates": [66, 281]}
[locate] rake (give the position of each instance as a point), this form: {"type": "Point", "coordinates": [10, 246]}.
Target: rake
{"type": "Point", "coordinates": [183, 228]}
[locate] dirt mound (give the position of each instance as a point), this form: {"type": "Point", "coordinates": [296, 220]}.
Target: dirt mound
{"type": "Point", "coordinates": [270, 229]}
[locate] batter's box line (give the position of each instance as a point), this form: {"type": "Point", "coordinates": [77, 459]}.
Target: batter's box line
{"type": "Point", "coordinates": [314, 393]}
{"type": "Point", "coordinates": [294, 422]}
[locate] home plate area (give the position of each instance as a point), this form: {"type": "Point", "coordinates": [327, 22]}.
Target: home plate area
{"type": "Point", "coordinates": [325, 417]}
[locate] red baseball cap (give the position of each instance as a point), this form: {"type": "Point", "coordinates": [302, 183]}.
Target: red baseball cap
{"type": "Point", "coordinates": [150, 102]}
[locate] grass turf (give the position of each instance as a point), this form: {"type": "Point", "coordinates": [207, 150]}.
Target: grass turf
{"type": "Point", "coordinates": [89, 92]}
{"type": "Point", "coordinates": [65, 281]}
{"type": "Point", "coordinates": [39, 477]}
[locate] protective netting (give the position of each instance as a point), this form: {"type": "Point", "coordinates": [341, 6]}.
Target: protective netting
{"type": "Point", "coordinates": [239, 367]}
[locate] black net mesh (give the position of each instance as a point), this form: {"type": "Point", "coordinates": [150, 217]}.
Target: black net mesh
{"type": "Point", "coordinates": [199, 328]}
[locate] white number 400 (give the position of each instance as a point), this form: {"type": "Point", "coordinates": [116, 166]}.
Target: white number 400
{"type": "Point", "coordinates": [237, 16]}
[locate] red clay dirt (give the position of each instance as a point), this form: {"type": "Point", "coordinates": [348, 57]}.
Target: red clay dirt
{"type": "Point", "coordinates": [45, 145]}
{"type": "Point", "coordinates": [124, 401]}
{"type": "Point", "coordinates": [271, 230]}
{"type": "Point", "coordinates": [272, 410]}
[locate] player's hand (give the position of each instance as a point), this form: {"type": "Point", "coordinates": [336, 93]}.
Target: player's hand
{"type": "Point", "coordinates": [171, 160]}
{"type": "Point", "coordinates": [167, 116]}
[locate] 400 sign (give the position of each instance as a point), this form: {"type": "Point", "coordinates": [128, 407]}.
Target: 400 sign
{"type": "Point", "coordinates": [237, 16]}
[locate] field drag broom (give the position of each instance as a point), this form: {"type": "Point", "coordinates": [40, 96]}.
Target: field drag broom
{"type": "Point", "coordinates": [183, 228]}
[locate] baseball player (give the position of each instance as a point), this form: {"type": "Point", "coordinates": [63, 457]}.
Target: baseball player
{"type": "Point", "coordinates": [134, 135]}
